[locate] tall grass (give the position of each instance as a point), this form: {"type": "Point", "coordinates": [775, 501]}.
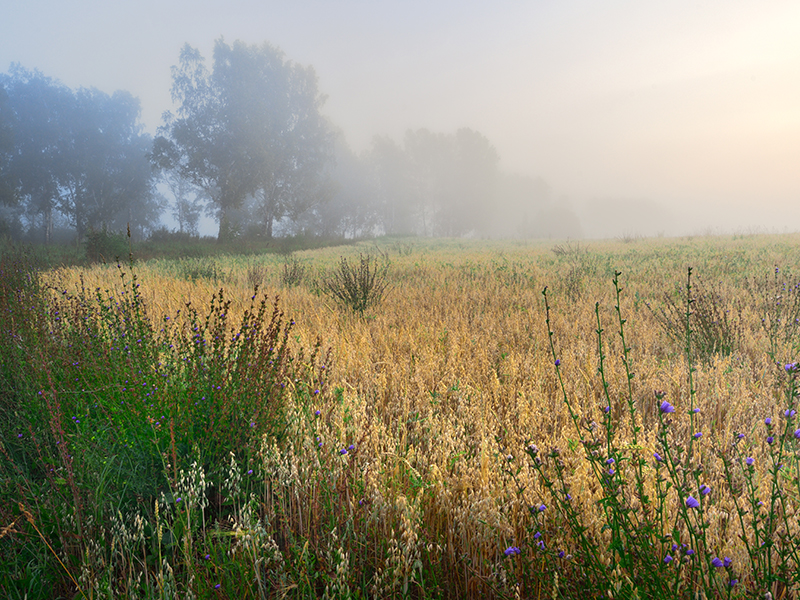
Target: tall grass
{"type": "Point", "coordinates": [471, 439]}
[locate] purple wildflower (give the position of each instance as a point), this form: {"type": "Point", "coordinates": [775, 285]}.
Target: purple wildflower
{"type": "Point", "coordinates": [767, 421]}
{"type": "Point", "coordinates": [250, 472]}
{"type": "Point", "coordinates": [717, 562]}
{"type": "Point", "coordinates": [343, 451]}
{"type": "Point", "coordinates": [558, 362]}
{"type": "Point", "coordinates": [691, 502]}
{"type": "Point", "coordinates": [770, 439]}
{"type": "Point", "coordinates": [317, 412]}
{"type": "Point", "coordinates": [542, 508]}
{"type": "Point", "coordinates": [797, 434]}
{"type": "Point", "coordinates": [749, 460]}
{"type": "Point", "coordinates": [610, 461]}
{"type": "Point", "coordinates": [727, 562]}
{"type": "Point", "coordinates": [667, 559]}
{"type": "Point", "coordinates": [561, 554]}
{"type": "Point", "coordinates": [695, 410]}
{"type": "Point", "coordinates": [689, 552]}
{"type": "Point", "coordinates": [789, 413]}
{"type": "Point", "coordinates": [666, 407]}
{"type": "Point", "coordinates": [704, 489]}
{"type": "Point", "coordinates": [511, 551]}
{"type": "Point", "coordinates": [207, 557]}
{"type": "Point", "coordinates": [698, 435]}
{"type": "Point", "coordinates": [734, 582]}
{"type": "Point", "coordinates": [219, 585]}
{"type": "Point", "coordinates": [657, 456]}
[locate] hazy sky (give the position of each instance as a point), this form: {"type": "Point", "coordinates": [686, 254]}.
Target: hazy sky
{"type": "Point", "coordinates": [693, 105]}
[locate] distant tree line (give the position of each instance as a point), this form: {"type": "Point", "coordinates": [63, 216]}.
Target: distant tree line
{"type": "Point", "coordinates": [249, 145]}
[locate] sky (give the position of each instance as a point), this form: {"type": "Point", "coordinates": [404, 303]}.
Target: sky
{"type": "Point", "coordinates": [685, 113]}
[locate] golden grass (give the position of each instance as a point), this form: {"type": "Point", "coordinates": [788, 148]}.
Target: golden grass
{"type": "Point", "coordinates": [458, 355]}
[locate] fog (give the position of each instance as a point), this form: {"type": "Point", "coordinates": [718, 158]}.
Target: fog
{"type": "Point", "coordinates": [639, 118]}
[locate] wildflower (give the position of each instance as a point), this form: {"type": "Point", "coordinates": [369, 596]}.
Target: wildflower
{"type": "Point", "coordinates": [749, 460]}
{"type": "Point", "coordinates": [540, 544]}
{"type": "Point", "coordinates": [343, 451]}
{"type": "Point", "coordinates": [610, 461]}
{"type": "Point", "coordinates": [611, 472]}
{"type": "Point", "coordinates": [250, 472]}
{"type": "Point", "coordinates": [219, 585]}
{"type": "Point", "coordinates": [704, 489]}
{"type": "Point", "coordinates": [734, 582]}
{"type": "Point", "coordinates": [739, 436]}
{"type": "Point", "coordinates": [797, 434]}
{"type": "Point", "coordinates": [207, 557]}
{"type": "Point", "coordinates": [542, 508]}
{"type": "Point", "coordinates": [606, 409]}
{"type": "Point", "coordinates": [558, 362]}
{"type": "Point", "coordinates": [791, 367]}
{"type": "Point", "coordinates": [561, 554]}
{"type": "Point", "coordinates": [351, 447]}
{"type": "Point", "coordinates": [317, 412]}
{"type": "Point", "coordinates": [770, 439]}
{"type": "Point", "coordinates": [789, 413]}
{"type": "Point", "coordinates": [689, 552]}
{"type": "Point", "coordinates": [537, 535]}
{"type": "Point", "coordinates": [667, 559]}
{"type": "Point", "coordinates": [657, 456]}
{"type": "Point", "coordinates": [19, 435]}
{"type": "Point", "coordinates": [252, 424]}
{"type": "Point", "coordinates": [767, 421]}
{"type": "Point", "coordinates": [691, 502]}
{"type": "Point", "coordinates": [695, 410]}
{"type": "Point", "coordinates": [177, 500]}
{"type": "Point", "coordinates": [717, 562]}
{"type": "Point", "coordinates": [659, 394]}
{"type": "Point", "coordinates": [666, 407]}
{"type": "Point", "coordinates": [727, 562]}
{"type": "Point", "coordinates": [511, 551]}
{"type": "Point", "coordinates": [698, 435]}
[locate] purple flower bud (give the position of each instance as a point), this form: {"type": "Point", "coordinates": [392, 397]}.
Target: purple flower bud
{"type": "Point", "coordinates": [558, 362]}
{"type": "Point", "coordinates": [739, 436]}
{"type": "Point", "coordinates": [666, 407]}
{"type": "Point", "coordinates": [717, 562]}
{"type": "Point", "coordinates": [692, 502]}
{"type": "Point", "coordinates": [657, 456]}
{"type": "Point", "coordinates": [250, 472]}
{"type": "Point", "coordinates": [695, 410]}
{"type": "Point", "coordinates": [610, 461]}
{"type": "Point", "coordinates": [698, 435]}
{"type": "Point", "coordinates": [207, 557]}
{"type": "Point", "coordinates": [343, 451]}
{"type": "Point", "coordinates": [789, 413]}
{"type": "Point", "coordinates": [704, 489]}
{"type": "Point", "coordinates": [727, 562]}
{"type": "Point", "coordinates": [797, 434]}
{"type": "Point", "coordinates": [542, 508]}
{"type": "Point", "coordinates": [770, 439]}
{"type": "Point", "coordinates": [317, 412]}
{"type": "Point", "coordinates": [667, 559]}
{"type": "Point", "coordinates": [749, 460]}
{"type": "Point", "coordinates": [511, 551]}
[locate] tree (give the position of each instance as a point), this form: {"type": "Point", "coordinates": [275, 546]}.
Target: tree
{"type": "Point", "coordinates": [251, 127]}
{"type": "Point", "coordinates": [79, 154]}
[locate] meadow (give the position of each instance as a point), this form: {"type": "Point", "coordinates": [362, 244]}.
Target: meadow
{"type": "Point", "coordinates": [511, 420]}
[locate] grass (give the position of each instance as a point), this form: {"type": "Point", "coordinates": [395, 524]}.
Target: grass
{"type": "Point", "coordinates": [172, 435]}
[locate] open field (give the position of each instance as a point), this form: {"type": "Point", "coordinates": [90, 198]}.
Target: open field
{"type": "Point", "coordinates": [440, 445]}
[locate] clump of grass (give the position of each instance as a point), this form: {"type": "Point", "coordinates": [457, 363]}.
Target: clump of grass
{"type": "Point", "coordinates": [702, 308]}
{"type": "Point", "coordinates": [360, 286]}
{"type": "Point", "coordinates": [194, 269]}
{"type": "Point", "coordinates": [293, 273]}
{"type": "Point", "coordinates": [776, 300]}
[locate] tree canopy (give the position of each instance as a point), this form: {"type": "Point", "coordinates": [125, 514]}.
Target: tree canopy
{"type": "Point", "coordinates": [78, 154]}
{"type": "Point", "coordinates": [250, 127]}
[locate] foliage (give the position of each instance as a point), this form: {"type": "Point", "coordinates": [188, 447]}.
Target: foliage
{"type": "Point", "coordinates": [79, 154]}
{"type": "Point", "coordinates": [360, 286]}
{"type": "Point", "coordinates": [251, 127]}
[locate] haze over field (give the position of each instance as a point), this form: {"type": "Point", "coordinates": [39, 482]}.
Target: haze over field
{"type": "Point", "coordinates": [644, 118]}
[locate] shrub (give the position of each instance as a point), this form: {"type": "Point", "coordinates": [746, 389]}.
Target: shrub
{"type": "Point", "coordinates": [105, 246]}
{"type": "Point", "coordinates": [358, 286]}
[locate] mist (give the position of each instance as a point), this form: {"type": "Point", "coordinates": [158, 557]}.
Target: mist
{"type": "Point", "coordinates": [610, 120]}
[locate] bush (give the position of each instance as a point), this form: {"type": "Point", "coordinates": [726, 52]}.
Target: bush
{"type": "Point", "coordinates": [105, 246]}
{"type": "Point", "coordinates": [358, 286]}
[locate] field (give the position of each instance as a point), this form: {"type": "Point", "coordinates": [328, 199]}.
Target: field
{"type": "Point", "coordinates": [512, 420]}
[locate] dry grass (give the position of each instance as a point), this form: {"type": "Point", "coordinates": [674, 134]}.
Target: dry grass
{"type": "Point", "coordinates": [457, 357]}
